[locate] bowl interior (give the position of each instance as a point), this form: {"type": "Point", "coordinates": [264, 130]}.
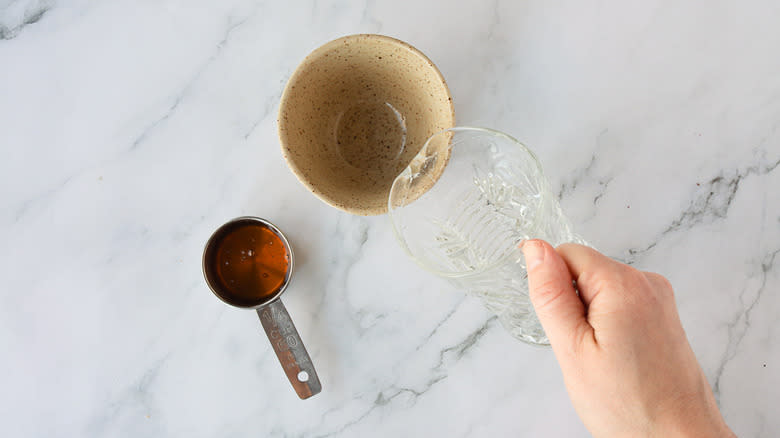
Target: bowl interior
{"type": "Point", "coordinates": [355, 113]}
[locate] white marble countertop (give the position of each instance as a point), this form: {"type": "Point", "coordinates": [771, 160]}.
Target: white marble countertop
{"type": "Point", "coordinates": [131, 130]}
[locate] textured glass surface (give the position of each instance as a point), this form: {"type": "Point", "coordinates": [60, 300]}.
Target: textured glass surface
{"type": "Point", "coordinates": [463, 206]}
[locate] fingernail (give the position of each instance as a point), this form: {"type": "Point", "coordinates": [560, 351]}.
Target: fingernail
{"type": "Point", "coordinates": [533, 250]}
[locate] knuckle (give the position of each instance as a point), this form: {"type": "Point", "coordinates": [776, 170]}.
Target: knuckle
{"type": "Point", "coordinates": [664, 282]}
{"type": "Point", "coordinates": [588, 279]}
{"type": "Point", "coordinates": [624, 282]}
{"type": "Point", "coordinates": [659, 283]}
{"type": "Point", "coordinates": [610, 278]}
{"type": "Point", "coordinates": [566, 246]}
{"type": "Point", "coordinates": [583, 335]}
{"type": "Point", "coordinates": [631, 274]}
{"type": "Point", "coordinates": [546, 293]}
{"type": "Point", "coordinates": [613, 283]}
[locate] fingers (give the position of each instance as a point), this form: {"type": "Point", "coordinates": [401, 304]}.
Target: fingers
{"type": "Point", "coordinates": [557, 305]}
{"type": "Point", "coordinates": [587, 266]}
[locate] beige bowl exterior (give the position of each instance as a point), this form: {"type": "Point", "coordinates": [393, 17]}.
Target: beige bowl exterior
{"type": "Point", "coordinates": [341, 115]}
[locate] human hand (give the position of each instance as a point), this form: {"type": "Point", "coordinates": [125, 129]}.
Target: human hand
{"type": "Point", "coordinates": [626, 361]}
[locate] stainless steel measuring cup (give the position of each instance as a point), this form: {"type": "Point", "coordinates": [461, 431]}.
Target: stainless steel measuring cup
{"type": "Point", "coordinates": [278, 325]}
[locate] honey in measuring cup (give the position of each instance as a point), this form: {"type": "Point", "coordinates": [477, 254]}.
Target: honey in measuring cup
{"type": "Point", "coordinates": [249, 261]}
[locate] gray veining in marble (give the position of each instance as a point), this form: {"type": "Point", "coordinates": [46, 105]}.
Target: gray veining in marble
{"type": "Point", "coordinates": [130, 130]}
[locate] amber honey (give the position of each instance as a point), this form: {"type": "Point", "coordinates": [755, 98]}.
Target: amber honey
{"type": "Point", "coordinates": [247, 262]}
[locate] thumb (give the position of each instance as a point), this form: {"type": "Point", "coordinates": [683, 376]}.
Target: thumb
{"type": "Point", "coordinates": [557, 305]}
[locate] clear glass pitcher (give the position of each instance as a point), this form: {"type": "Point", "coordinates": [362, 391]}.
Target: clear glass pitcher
{"type": "Point", "coordinates": [462, 207]}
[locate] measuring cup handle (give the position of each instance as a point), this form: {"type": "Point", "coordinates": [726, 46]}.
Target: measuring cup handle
{"type": "Point", "coordinates": [289, 349]}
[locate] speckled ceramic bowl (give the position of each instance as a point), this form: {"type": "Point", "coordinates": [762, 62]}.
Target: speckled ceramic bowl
{"type": "Point", "coordinates": [355, 113]}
